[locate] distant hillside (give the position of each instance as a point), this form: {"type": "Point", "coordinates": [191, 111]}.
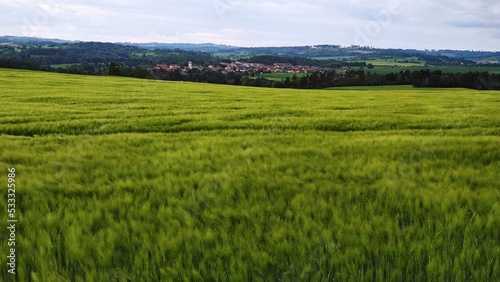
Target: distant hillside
{"type": "Point", "coordinates": [206, 47]}
{"type": "Point", "coordinates": [325, 51]}
{"type": "Point", "coordinates": [316, 66]}
{"type": "Point", "coordinates": [37, 40]}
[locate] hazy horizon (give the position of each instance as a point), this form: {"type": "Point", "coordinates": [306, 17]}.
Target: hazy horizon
{"type": "Point", "coordinates": [457, 25]}
{"type": "Point", "coordinates": [270, 46]}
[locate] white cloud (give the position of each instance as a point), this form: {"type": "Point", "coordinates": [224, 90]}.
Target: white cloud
{"type": "Point", "coordinates": [415, 24]}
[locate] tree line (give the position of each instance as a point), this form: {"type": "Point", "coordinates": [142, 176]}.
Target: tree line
{"type": "Point", "coordinates": [326, 79]}
{"type": "Point", "coordinates": [94, 59]}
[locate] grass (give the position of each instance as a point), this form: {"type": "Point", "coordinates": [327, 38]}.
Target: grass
{"type": "Point", "coordinates": [392, 63]}
{"type": "Point", "coordinates": [338, 58]}
{"type": "Point", "coordinates": [458, 69]}
{"type": "Point", "coordinates": [281, 75]}
{"type": "Point", "coordinates": [64, 65]}
{"type": "Point", "coordinates": [232, 54]}
{"type": "Point", "coordinates": [147, 54]}
{"type": "Point", "coordinates": [375, 88]}
{"type": "Point", "coordinates": [122, 179]}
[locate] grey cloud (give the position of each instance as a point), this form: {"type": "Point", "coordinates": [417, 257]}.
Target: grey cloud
{"type": "Point", "coordinates": [418, 24]}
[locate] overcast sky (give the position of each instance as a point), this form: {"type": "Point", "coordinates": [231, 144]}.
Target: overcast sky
{"type": "Point", "coordinates": [420, 24]}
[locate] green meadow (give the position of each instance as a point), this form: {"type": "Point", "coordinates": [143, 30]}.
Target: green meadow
{"type": "Point", "coordinates": [281, 75]}
{"type": "Point", "coordinates": [450, 69]}
{"type": "Point", "coordinates": [392, 63]}
{"type": "Point", "coordinates": [122, 179]}
{"type": "Point", "coordinates": [63, 65]}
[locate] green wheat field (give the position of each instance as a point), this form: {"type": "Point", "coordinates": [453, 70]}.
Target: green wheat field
{"type": "Point", "coordinates": [121, 179]}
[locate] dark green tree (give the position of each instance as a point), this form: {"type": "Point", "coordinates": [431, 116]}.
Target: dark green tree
{"type": "Point", "coordinates": [115, 69]}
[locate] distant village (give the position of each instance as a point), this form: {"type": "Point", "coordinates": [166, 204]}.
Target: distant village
{"type": "Point", "coordinates": [241, 67]}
